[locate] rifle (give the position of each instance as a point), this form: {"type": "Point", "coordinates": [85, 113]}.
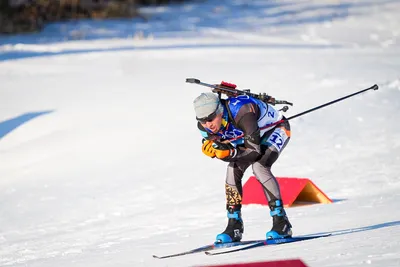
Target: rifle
{"type": "Point", "coordinates": [230, 90]}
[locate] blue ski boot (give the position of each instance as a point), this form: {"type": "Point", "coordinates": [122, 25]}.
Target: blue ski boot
{"type": "Point", "coordinates": [281, 226]}
{"type": "Point", "coordinates": [234, 230]}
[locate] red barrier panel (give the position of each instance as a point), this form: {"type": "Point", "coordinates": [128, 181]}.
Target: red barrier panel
{"type": "Point", "coordinates": [294, 191]}
{"type": "Point", "coordinates": [280, 263]}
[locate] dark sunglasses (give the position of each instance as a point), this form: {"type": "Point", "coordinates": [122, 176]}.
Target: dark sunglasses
{"type": "Point", "coordinates": [209, 118]}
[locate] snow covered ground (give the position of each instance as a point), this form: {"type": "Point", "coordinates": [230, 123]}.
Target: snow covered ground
{"type": "Point", "coordinates": [100, 161]}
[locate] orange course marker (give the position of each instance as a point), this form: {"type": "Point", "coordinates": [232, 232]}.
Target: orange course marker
{"type": "Point", "coordinates": [294, 192]}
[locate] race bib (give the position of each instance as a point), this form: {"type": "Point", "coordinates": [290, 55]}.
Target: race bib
{"type": "Point", "coordinates": [277, 139]}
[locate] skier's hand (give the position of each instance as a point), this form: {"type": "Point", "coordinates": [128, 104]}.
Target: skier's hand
{"type": "Point", "coordinates": [208, 148]}
{"type": "Point", "coordinates": [224, 151]}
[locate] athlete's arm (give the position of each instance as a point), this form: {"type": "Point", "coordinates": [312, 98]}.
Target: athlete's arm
{"type": "Point", "coordinates": [247, 121]}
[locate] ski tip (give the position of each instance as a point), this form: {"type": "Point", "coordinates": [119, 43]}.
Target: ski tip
{"type": "Point", "coordinates": [375, 87]}
{"type": "Point", "coordinates": [208, 253]}
{"type": "Point", "coordinates": [157, 257]}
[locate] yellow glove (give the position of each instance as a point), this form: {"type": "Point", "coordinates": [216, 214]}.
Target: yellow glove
{"type": "Point", "coordinates": [224, 151]}
{"type": "Point", "coordinates": [208, 148]}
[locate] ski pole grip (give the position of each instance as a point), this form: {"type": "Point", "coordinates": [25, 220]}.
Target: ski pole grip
{"type": "Point", "coordinates": [192, 80]}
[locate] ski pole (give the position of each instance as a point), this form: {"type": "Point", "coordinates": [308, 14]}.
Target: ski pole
{"type": "Point", "coordinates": [374, 87]}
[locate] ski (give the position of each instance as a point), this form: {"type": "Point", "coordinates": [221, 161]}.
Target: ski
{"type": "Point", "coordinates": [267, 242]}
{"type": "Point", "coordinates": [208, 248]}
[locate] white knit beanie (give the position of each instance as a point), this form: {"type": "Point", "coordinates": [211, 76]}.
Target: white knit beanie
{"type": "Point", "coordinates": [207, 103]}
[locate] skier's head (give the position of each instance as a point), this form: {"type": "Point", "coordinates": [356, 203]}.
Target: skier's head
{"type": "Point", "coordinates": [209, 111]}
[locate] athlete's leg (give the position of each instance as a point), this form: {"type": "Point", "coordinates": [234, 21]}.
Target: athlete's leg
{"type": "Point", "coordinates": [233, 183]}
{"type": "Point", "coordinates": [274, 143]}
{"type": "Point", "coordinates": [234, 194]}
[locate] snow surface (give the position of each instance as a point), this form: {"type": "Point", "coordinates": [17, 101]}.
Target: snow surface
{"type": "Point", "coordinates": [100, 160]}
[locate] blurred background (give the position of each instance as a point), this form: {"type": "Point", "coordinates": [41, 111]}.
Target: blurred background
{"type": "Point", "coordinates": [22, 16]}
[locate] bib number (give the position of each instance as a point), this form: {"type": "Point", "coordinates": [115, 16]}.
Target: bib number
{"type": "Point", "coordinates": [277, 139]}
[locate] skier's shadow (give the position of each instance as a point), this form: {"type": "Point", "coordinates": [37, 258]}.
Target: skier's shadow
{"type": "Point", "coordinates": [365, 228]}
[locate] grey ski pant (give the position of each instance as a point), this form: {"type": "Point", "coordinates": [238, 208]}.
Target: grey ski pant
{"type": "Point", "coordinates": [273, 146]}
